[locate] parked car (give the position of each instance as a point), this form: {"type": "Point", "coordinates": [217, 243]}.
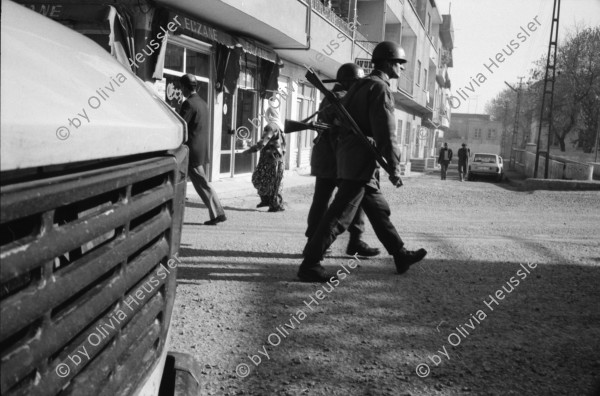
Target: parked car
{"type": "Point", "coordinates": [486, 165]}
{"type": "Point", "coordinates": [92, 196]}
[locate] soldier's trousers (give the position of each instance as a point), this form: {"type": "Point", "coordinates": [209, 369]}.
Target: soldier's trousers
{"type": "Point", "coordinates": [323, 191]}
{"type": "Point", "coordinates": [351, 195]}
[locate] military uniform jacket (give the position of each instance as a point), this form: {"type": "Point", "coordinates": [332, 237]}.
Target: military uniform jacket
{"type": "Point", "coordinates": [322, 159]}
{"type": "Point", "coordinates": [371, 103]}
{"type": "Point", "coordinates": [195, 112]}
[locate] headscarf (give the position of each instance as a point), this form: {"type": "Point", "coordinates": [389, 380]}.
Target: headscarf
{"type": "Point", "coordinates": [272, 116]}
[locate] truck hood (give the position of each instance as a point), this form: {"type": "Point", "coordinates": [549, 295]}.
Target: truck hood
{"type": "Point", "coordinates": [65, 99]}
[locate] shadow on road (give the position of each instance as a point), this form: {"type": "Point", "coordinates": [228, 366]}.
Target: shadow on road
{"type": "Point", "coordinates": [195, 205]}
{"type": "Point", "coordinates": [188, 252]}
{"type": "Point", "coordinates": [500, 323]}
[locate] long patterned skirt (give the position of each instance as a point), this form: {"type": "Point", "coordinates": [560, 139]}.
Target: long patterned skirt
{"type": "Point", "coordinates": [268, 180]}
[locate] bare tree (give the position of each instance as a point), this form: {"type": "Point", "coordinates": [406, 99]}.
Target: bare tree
{"type": "Point", "coordinates": [576, 91]}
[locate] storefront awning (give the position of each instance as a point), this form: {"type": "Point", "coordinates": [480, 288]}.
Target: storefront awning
{"type": "Point", "coordinates": [192, 27]}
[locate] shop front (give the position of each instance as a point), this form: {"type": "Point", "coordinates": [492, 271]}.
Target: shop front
{"type": "Point", "coordinates": [236, 76]}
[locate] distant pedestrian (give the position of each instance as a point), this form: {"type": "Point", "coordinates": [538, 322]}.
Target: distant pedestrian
{"type": "Point", "coordinates": [463, 161]}
{"type": "Point", "coordinates": [323, 166]}
{"type": "Point", "coordinates": [195, 112]}
{"type": "Point", "coordinates": [268, 175]}
{"type": "Point", "coordinates": [444, 159]}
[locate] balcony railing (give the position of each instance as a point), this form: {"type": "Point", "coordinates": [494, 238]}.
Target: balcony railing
{"type": "Point", "coordinates": [364, 42]}
{"type": "Point", "coordinates": [405, 84]}
{"type": "Point", "coordinates": [342, 23]}
{"type": "Point", "coordinates": [331, 16]}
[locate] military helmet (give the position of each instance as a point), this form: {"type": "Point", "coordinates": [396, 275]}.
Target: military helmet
{"type": "Point", "coordinates": [388, 50]}
{"type": "Point", "coordinates": [349, 72]}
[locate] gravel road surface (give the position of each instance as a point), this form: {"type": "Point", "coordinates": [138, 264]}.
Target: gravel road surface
{"type": "Point", "coordinates": [507, 302]}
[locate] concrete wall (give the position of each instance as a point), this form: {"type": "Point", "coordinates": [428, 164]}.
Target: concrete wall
{"type": "Point", "coordinates": [525, 163]}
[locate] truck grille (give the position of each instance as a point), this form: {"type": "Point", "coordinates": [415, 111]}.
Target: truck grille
{"type": "Point", "coordinates": [87, 277]}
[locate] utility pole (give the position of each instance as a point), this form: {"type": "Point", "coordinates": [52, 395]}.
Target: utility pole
{"type": "Point", "coordinates": [548, 90]}
{"type": "Point", "coordinates": [515, 136]}
{"type": "Point", "coordinates": [597, 136]}
{"type": "Point", "coordinates": [504, 131]}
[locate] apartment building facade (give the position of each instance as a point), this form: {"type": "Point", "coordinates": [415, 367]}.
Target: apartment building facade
{"type": "Point", "coordinates": [478, 131]}
{"type": "Point", "coordinates": [251, 55]}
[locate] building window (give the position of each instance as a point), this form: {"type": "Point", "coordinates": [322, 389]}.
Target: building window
{"type": "Point", "coordinates": [306, 99]}
{"type": "Point", "coordinates": [428, 24]}
{"type": "Point", "coordinates": [418, 73]}
{"type": "Point", "coordinates": [399, 132]}
{"type": "Point", "coordinates": [477, 133]}
{"type": "Point", "coordinates": [407, 134]}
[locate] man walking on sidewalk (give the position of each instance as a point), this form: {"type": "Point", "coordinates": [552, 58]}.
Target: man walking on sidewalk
{"type": "Point", "coordinates": [371, 103]}
{"type": "Point", "coordinates": [444, 159]}
{"type": "Point", "coordinates": [195, 112]}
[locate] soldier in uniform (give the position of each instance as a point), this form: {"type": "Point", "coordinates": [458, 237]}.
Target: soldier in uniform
{"type": "Point", "coordinates": [371, 103]}
{"type": "Point", "coordinates": [323, 166]}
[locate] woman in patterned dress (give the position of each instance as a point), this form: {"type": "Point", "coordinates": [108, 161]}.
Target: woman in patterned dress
{"type": "Point", "coordinates": [268, 175]}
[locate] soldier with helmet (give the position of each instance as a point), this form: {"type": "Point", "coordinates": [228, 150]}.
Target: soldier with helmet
{"type": "Point", "coordinates": [371, 103]}
{"type": "Point", "coordinates": [323, 166]}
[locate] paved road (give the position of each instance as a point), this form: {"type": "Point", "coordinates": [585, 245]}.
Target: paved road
{"type": "Point", "coordinates": [237, 283]}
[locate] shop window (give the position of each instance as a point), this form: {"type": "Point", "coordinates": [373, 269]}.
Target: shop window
{"type": "Point", "coordinates": [174, 58]}
{"type": "Point", "coordinates": [197, 63]}
{"type": "Point", "coordinates": [180, 60]}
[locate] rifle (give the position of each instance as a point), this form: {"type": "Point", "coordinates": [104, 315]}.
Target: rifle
{"type": "Point", "coordinates": [348, 122]}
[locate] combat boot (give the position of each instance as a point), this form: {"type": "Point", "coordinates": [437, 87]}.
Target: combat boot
{"type": "Point", "coordinates": [405, 258]}
{"type": "Point", "coordinates": [314, 273]}
{"type": "Point", "coordinates": [361, 248]}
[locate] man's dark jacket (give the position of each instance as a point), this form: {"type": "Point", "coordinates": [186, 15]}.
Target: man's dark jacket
{"type": "Point", "coordinates": [322, 159]}
{"type": "Point", "coordinates": [441, 156]}
{"type": "Point", "coordinates": [463, 155]}
{"type": "Point", "coordinates": [371, 103]}
{"type": "Point", "coordinates": [195, 112]}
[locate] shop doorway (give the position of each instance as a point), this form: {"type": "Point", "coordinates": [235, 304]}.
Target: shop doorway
{"type": "Point", "coordinates": [241, 124]}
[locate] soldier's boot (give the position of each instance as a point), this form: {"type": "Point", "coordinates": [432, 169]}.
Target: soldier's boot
{"type": "Point", "coordinates": [405, 258]}
{"type": "Point", "coordinates": [361, 248]}
{"type": "Point", "coordinates": [311, 272]}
